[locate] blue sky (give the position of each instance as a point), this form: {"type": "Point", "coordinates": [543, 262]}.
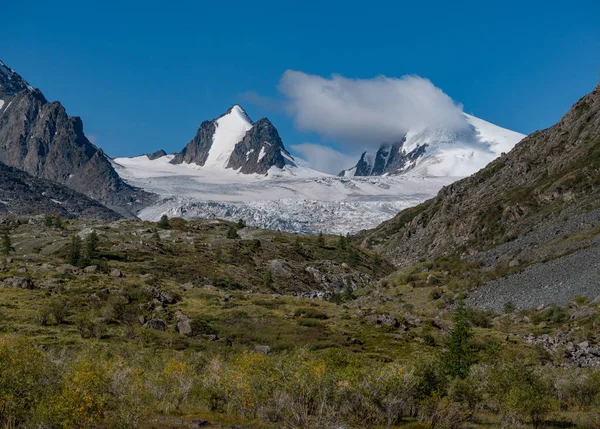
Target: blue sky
{"type": "Point", "coordinates": [143, 75]}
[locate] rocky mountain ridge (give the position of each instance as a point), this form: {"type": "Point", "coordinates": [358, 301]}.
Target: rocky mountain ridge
{"type": "Point", "coordinates": [40, 138]}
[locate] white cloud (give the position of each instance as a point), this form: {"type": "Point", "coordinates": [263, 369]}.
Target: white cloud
{"type": "Point", "coordinates": [364, 113]}
{"type": "Point", "coordinates": [324, 158]}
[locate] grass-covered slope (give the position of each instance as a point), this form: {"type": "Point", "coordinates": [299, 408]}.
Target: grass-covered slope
{"type": "Point", "coordinates": [212, 324]}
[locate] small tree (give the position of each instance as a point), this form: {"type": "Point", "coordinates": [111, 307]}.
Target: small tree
{"type": "Point", "coordinates": [342, 242]}
{"type": "Point", "coordinates": [58, 222]}
{"type": "Point", "coordinates": [74, 256]}
{"type": "Point", "coordinates": [232, 234]}
{"type": "Point", "coordinates": [48, 220]}
{"type": "Point", "coordinates": [241, 224]}
{"type": "Point", "coordinates": [353, 258]}
{"type": "Point", "coordinates": [297, 244]}
{"type": "Point", "coordinates": [163, 223]}
{"type": "Point", "coordinates": [376, 260]}
{"type": "Point", "coordinates": [156, 238]}
{"type": "Point", "coordinates": [91, 246]}
{"type": "Point", "coordinates": [218, 255]}
{"type": "Point", "coordinates": [7, 246]}
{"type": "Point", "coordinates": [508, 307]}
{"type": "Point", "coordinates": [459, 355]}
{"type": "Point", "coordinates": [268, 278]}
{"type": "Point", "coordinates": [321, 240]}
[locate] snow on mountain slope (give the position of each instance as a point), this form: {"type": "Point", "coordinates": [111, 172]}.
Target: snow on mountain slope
{"type": "Point", "coordinates": [230, 129]}
{"type": "Point", "coordinates": [236, 169]}
{"type": "Point", "coordinates": [294, 198]}
{"type": "Point", "coordinates": [463, 152]}
{"type": "Point", "coordinates": [439, 151]}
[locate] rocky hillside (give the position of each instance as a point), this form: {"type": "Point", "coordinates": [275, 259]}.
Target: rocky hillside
{"type": "Point", "coordinates": [39, 137]}
{"type": "Point", "coordinates": [537, 202]}
{"type": "Point", "coordinates": [233, 141]}
{"type": "Point", "coordinates": [21, 194]}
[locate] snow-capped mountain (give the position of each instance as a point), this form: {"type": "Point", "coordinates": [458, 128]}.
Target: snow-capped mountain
{"type": "Point", "coordinates": [439, 152]}
{"type": "Point", "coordinates": [233, 141]}
{"type": "Point", "coordinates": [237, 169]}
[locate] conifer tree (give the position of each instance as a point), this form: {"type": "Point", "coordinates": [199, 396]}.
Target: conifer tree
{"type": "Point", "coordinates": [58, 222]}
{"type": "Point", "coordinates": [163, 223]}
{"type": "Point", "coordinates": [321, 240]}
{"type": "Point", "coordinates": [7, 246]}
{"type": "Point", "coordinates": [74, 256]}
{"type": "Point", "coordinates": [48, 221]}
{"type": "Point", "coordinates": [342, 242]}
{"type": "Point", "coordinates": [459, 355]}
{"type": "Point", "coordinates": [91, 246]}
{"type": "Point", "coordinates": [232, 234]}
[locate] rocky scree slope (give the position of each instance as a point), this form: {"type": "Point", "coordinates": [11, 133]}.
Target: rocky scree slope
{"type": "Point", "coordinates": [39, 137]}
{"type": "Point", "coordinates": [23, 194]}
{"type": "Point", "coordinates": [516, 208]}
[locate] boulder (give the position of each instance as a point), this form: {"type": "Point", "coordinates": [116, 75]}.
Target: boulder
{"type": "Point", "coordinates": [262, 349]}
{"type": "Point", "coordinates": [116, 273]}
{"type": "Point", "coordinates": [156, 324]}
{"type": "Point", "coordinates": [90, 269]}
{"type": "Point", "coordinates": [67, 269]}
{"type": "Point", "coordinates": [18, 283]}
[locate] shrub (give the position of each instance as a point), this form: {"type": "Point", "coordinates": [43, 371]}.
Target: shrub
{"type": "Point", "coordinates": [23, 369]}
{"type": "Point", "coordinates": [441, 413]}
{"type": "Point", "coordinates": [163, 223]}
{"type": "Point", "coordinates": [508, 307]}
{"type": "Point", "coordinates": [523, 394]}
{"type": "Point", "coordinates": [232, 234]}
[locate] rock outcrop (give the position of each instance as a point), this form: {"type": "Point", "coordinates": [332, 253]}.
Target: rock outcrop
{"type": "Point", "coordinates": [38, 137]}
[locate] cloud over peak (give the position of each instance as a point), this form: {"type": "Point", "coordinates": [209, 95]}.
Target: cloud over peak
{"type": "Point", "coordinates": [367, 112]}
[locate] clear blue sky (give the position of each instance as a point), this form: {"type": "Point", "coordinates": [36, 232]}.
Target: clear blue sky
{"type": "Point", "coordinates": [144, 74]}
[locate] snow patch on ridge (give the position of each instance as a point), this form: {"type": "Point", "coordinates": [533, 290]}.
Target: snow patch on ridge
{"type": "Point", "coordinates": [230, 130]}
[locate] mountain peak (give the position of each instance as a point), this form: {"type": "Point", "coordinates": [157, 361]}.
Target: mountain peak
{"type": "Point", "coordinates": [238, 112]}
{"type": "Point", "coordinates": [11, 82]}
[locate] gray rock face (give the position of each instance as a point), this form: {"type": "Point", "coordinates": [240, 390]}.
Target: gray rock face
{"type": "Point", "coordinates": [40, 138]}
{"type": "Point", "coordinates": [155, 155]}
{"type": "Point", "coordinates": [389, 159]}
{"type": "Point", "coordinates": [24, 194]}
{"type": "Point", "coordinates": [260, 149]}
{"type": "Point", "coordinates": [197, 150]}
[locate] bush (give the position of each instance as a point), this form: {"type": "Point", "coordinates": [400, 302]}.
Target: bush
{"type": "Point", "coordinates": [232, 234]}
{"type": "Point", "coordinates": [23, 371]}
{"type": "Point", "coordinates": [441, 413]}
{"type": "Point", "coordinates": [54, 312]}
{"type": "Point", "coordinates": [163, 223]}
{"type": "Point", "coordinates": [508, 307]}
{"type": "Point", "coordinates": [523, 394]}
